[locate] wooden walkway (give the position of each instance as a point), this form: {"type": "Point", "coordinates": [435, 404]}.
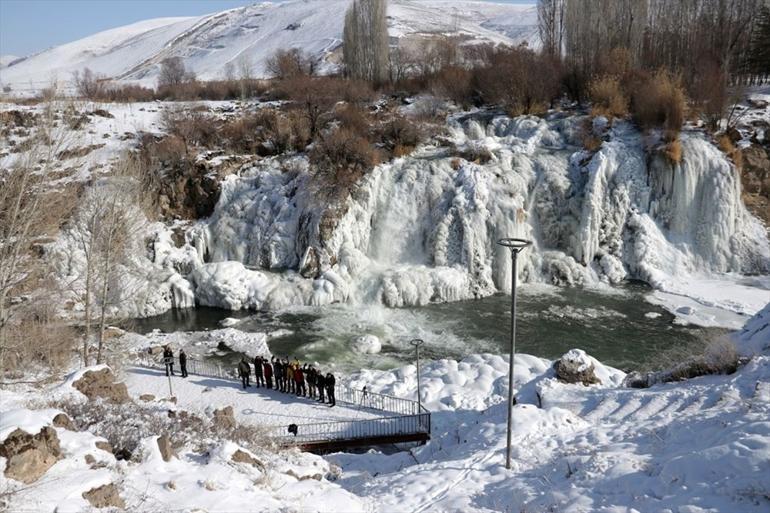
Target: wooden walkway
{"type": "Point", "coordinates": [398, 420]}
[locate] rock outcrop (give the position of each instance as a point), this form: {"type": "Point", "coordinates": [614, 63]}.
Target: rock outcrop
{"type": "Point", "coordinates": [166, 449]}
{"type": "Point", "coordinates": [576, 367]}
{"type": "Point", "coordinates": [100, 384]}
{"type": "Point", "coordinates": [106, 496]}
{"type": "Point", "coordinates": [61, 420]}
{"type": "Point", "coordinates": [240, 456]}
{"type": "Point", "coordinates": [29, 456]}
{"type": "Point", "coordinates": [224, 418]}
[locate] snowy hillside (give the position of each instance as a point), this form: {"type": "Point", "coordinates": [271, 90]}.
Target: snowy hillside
{"type": "Point", "coordinates": [208, 43]}
{"type": "Point", "coordinates": [5, 60]}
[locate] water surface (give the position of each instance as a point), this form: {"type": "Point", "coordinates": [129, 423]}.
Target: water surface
{"type": "Point", "coordinates": [616, 326]}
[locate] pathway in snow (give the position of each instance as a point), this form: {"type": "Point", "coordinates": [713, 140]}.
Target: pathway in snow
{"type": "Point", "coordinates": [255, 406]}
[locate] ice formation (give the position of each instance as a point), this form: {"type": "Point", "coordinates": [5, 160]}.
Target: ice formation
{"type": "Point", "coordinates": [423, 228]}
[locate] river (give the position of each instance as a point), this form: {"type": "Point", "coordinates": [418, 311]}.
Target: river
{"type": "Point", "coordinates": [615, 325]}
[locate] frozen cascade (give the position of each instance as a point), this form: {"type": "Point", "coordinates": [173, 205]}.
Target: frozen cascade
{"type": "Point", "coordinates": [423, 228]}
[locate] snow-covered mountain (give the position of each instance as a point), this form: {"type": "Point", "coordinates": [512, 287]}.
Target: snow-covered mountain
{"type": "Point", "coordinates": [252, 33]}
{"type": "Point", "coordinates": [5, 60]}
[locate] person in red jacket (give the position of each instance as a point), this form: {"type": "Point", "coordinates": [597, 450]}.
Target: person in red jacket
{"type": "Point", "coordinates": [299, 379]}
{"type": "Point", "coordinates": [268, 373]}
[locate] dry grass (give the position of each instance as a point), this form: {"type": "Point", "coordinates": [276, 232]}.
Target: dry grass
{"type": "Point", "coordinates": [715, 355]}
{"type": "Point", "coordinates": [659, 101]}
{"type": "Point", "coordinates": [673, 151]}
{"type": "Point", "coordinates": [728, 147]}
{"type": "Point", "coordinates": [608, 98]}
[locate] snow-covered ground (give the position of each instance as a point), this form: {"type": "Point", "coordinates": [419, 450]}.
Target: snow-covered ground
{"type": "Point", "coordinates": [252, 33]}
{"type": "Point", "coordinates": [254, 406]}
{"type": "Point", "coordinates": [701, 445]}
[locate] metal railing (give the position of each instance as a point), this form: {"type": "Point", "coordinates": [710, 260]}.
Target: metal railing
{"type": "Point", "coordinates": [355, 429]}
{"type": "Point", "coordinates": [409, 419]}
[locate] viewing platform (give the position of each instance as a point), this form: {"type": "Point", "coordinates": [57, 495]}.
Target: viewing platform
{"type": "Point", "coordinates": [359, 419]}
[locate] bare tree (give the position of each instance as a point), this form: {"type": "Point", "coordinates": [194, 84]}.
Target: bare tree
{"type": "Point", "coordinates": [290, 63]}
{"type": "Point", "coordinates": [103, 238]}
{"type": "Point", "coordinates": [25, 206]}
{"type": "Point", "coordinates": [230, 74]}
{"type": "Point", "coordinates": [173, 73]}
{"type": "Point", "coordinates": [88, 84]}
{"type": "Point", "coordinates": [550, 24]}
{"type": "Point", "coordinates": [365, 41]}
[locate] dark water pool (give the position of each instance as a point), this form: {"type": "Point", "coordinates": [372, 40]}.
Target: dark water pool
{"type": "Point", "coordinates": [616, 326]}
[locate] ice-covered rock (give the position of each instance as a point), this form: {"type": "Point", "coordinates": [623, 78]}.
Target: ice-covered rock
{"type": "Point", "coordinates": [28, 444]}
{"type": "Point", "coordinates": [576, 367]}
{"type": "Point", "coordinates": [367, 344]}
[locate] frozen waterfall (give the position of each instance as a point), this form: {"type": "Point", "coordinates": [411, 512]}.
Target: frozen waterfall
{"type": "Point", "coordinates": [423, 228]}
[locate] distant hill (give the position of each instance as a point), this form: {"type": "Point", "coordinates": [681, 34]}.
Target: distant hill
{"type": "Point", "coordinates": [207, 43]}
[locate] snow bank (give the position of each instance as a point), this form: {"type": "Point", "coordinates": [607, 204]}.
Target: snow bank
{"type": "Point", "coordinates": [29, 421]}
{"type": "Point", "coordinates": [201, 343]}
{"type": "Point", "coordinates": [684, 447]}
{"type": "Point", "coordinates": [754, 338]}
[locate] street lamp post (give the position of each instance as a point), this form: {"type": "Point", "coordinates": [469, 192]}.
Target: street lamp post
{"type": "Point", "coordinates": [417, 342]}
{"type": "Point", "coordinates": [515, 245]}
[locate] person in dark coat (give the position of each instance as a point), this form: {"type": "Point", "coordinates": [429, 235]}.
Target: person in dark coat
{"type": "Point", "coordinates": [258, 371]}
{"type": "Point", "coordinates": [168, 359]}
{"type": "Point", "coordinates": [245, 371]}
{"type": "Point", "coordinates": [320, 383]}
{"type": "Point", "coordinates": [310, 378]}
{"type": "Point", "coordinates": [183, 362]}
{"type": "Point", "coordinates": [330, 382]}
{"type": "Point", "coordinates": [268, 373]}
{"type": "Point", "coordinates": [278, 368]}
{"type": "Point", "coordinates": [299, 379]}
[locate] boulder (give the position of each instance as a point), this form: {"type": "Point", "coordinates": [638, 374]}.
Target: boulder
{"type": "Point", "coordinates": [147, 397]}
{"type": "Point", "coordinates": [29, 456]}
{"type": "Point", "coordinates": [224, 418]}
{"type": "Point", "coordinates": [106, 496]}
{"type": "Point", "coordinates": [101, 384]}
{"type": "Point", "coordinates": [105, 446]}
{"type": "Point", "coordinates": [166, 450]}
{"type": "Point", "coordinates": [63, 421]}
{"type": "Point", "coordinates": [90, 460]}
{"type": "Point", "coordinates": [576, 367]}
{"type": "Point", "coordinates": [240, 456]}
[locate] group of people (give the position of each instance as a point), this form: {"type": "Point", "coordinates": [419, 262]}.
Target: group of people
{"type": "Point", "coordinates": [279, 374]}
{"type": "Point", "coordinates": [290, 377]}
{"type": "Point", "coordinates": [168, 359]}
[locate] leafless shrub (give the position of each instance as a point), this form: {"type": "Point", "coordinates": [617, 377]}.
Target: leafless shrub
{"type": "Point", "coordinates": [519, 80]}
{"type": "Point", "coordinates": [716, 356]}
{"type": "Point", "coordinates": [194, 127]}
{"type": "Point", "coordinates": [659, 101]}
{"type": "Point", "coordinates": [125, 426]}
{"type": "Point", "coordinates": [340, 159]}
{"type": "Point", "coordinates": [455, 83]}
{"type": "Point", "coordinates": [89, 85]}
{"type": "Point", "coordinates": [290, 63]}
{"type": "Point", "coordinates": [23, 221]}
{"type": "Point", "coordinates": [399, 135]}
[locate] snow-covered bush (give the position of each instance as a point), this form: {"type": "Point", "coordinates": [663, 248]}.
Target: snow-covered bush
{"type": "Point", "coordinates": [125, 426]}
